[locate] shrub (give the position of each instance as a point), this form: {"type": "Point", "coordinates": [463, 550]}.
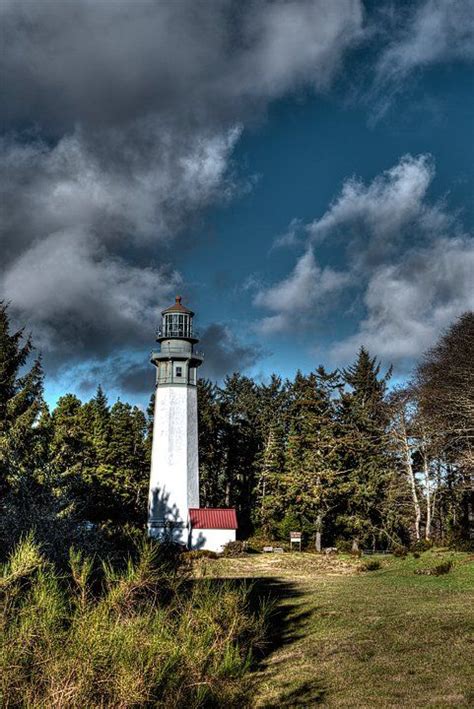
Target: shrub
{"type": "Point", "coordinates": [141, 636]}
{"type": "Point", "coordinates": [400, 551]}
{"type": "Point", "coordinates": [290, 523]}
{"type": "Point", "coordinates": [233, 549]}
{"type": "Point", "coordinates": [422, 545]}
{"type": "Point", "coordinates": [416, 554]}
{"type": "Point", "coordinates": [200, 554]}
{"type": "Point", "coordinates": [371, 565]}
{"type": "Point", "coordinates": [438, 570]}
{"type": "Point", "coordinates": [462, 545]}
{"type": "Point", "coordinates": [344, 545]}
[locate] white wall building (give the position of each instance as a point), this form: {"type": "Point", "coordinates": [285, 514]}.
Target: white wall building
{"type": "Point", "coordinates": [174, 477]}
{"type": "Point", "coordinates": [211, 528]}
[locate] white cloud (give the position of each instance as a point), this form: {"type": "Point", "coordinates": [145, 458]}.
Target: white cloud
{"type": "Point", "coordinates": [406, 259]}
{"type": "Point", "coordinates": [436, 31]}
{"type": "Point", "coordinates": [306, 287]}
{"type": "Point", "coordinates": [409, 303]}
{"type": "Point", "coordinates": [375, 219]}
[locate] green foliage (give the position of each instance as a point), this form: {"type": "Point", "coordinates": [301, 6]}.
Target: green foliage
{"type": "Point", "coordinates": [71, 642]}
{"type": "Point", "coordinates": [400, 551]}
{"type": "Point", "coordinates": [291, 522]}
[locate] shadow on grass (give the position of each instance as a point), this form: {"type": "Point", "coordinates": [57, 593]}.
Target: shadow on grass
{"type": "Point", "coordinates": [285, 626]}
{"type": "Point", "coordinates": [305, 694]}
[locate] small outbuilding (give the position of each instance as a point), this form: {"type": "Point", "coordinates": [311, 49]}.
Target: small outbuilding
{"type": "Point", "coordinates": [211, 528]}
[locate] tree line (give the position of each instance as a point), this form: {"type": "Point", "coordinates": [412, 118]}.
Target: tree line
{"type": "Point", "coordinates": [342, 456]}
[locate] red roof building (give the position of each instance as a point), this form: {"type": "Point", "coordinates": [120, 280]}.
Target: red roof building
{"type": "Point", "coordinates": [212, 518]}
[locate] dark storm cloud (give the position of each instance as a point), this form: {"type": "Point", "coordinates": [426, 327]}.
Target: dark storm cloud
{"type": "Point", "coordinates": [129, 113]}
{"type": "Point", "coordinates": [135, 375]}
{"type": "Point", "coordinates": [132, 377]}
{"type": "Point", "coordinates": [194, 63]}
{"type": "Point", "coordinates": [224, 353]}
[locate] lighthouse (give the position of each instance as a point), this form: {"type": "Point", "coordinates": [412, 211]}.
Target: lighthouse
{"type": "Point", "coordinates": [173, 504]}
{"type": "Point", "coordinates": [174, 478]}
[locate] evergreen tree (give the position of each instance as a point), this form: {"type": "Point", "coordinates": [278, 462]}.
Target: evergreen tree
{"type": "Point", "coordinates": [127, 484]}
{"type": "Point", "coordinates": [23, 414]}
{"type": "Point", "coordinates": [100, 426]}
{"type": "Point", "coordinates": [211, 446]}
{"type": "Point", "coordinates": [241, 444]}
{"type": "Point", "coordinates": [72, 456]}
{"type": "Point", "coordinates": [269, 494]}
{"type": "Point", "coordinates": [26, 500]}
{"type": "Point", "coordinates": [366, 458]}
{"type": "Point", "coordinates": [312, 458]}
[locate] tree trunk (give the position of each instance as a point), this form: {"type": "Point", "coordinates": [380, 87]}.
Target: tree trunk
{"type": "Point", "coordinates": [319, 531]}
{"type": "Point", "coordinates": [426, 471]}
{"type": "Point", "coordinates": [411, 477]}
{"type": "Point", "coordinates": [318, 542]}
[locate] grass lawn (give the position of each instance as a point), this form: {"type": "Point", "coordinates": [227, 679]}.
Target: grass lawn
{"type": "Point", "coordinates": [346, 638]}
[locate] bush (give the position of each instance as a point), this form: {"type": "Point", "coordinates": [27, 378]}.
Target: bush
{"type": "Point", "coordinates": [400, 551]}
{"type": "Point", "coordinates": [233, 549]}
{"type": "Point", "coordinates": [290, 523]}
{"type": "Point", "coordinates": [421, 545]}
{"type": "Point", "coordinates": [462, 545]}
{"type": "Point", "coordinates": [371, 565]}
{"type": "Point", "coordinates": [344, 546]}
{"type": "Point", "coordinates": [438, 570]}
{"type": "Point", "coordinates": [141, 636]}
{"type": "Point", "coordinates": [200, 554]}
{"type": "Point", "coordinates": [416, 554]}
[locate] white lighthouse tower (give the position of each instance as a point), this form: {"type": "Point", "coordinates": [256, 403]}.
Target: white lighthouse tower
{"type": "Point", "coordinates": [174, 479]}
{"type": "Point", "coordinates": [173, 503]}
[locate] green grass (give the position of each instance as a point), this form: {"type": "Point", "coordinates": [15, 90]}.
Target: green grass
{"type": "Point", "coordinates": [145, 635]}
{"type": "Point", "coordinates": [344, 638]}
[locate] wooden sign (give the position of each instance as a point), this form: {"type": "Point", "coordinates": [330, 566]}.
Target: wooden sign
{"type": "Point", "coordinates": [295, 538]}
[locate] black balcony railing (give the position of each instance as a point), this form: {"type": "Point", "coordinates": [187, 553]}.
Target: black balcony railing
{"type": "Point", "coordinates": [177, 332]}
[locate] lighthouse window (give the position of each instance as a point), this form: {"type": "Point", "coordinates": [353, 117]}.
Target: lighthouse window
{"type": "Point", "coordinates": [179, 371]}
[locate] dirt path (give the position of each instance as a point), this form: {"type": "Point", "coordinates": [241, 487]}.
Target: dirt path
{"type": "Point", "coordinates": [342, 638]}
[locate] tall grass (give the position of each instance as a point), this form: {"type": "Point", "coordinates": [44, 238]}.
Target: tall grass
{"type": "Point", "coordinates": [145, 635]}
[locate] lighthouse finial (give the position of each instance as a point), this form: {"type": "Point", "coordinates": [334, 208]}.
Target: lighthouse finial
{"type": "Point", "coordinates": [178, 299]}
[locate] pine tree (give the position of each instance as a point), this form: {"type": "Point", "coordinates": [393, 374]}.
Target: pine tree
{"type": "Point", "coordinates": [269, 492]}
{"type": "Point", "coordinates": [26, 499]}
{"type": "Point", "coordinates": [241, 444]}
{"type": "Point", "coordinates": [101, 426]}
{"type": "Point", "coordinates": [312, 458]}
{"type": "Point", "coordinates": [211, 446]}
{"type": "Point", "coordinates": [366, 458]}
{"type": "Point", "coordinates": [127, 484]}
{"type": "Point", "coordinates": [22, 426]}
{"type": "Point", "coordinates": [72, 457]}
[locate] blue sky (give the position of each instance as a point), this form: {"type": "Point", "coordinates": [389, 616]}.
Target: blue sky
{"type": "Point", "coordinates": [301, 172]}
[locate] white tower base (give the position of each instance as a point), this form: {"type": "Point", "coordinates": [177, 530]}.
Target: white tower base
{"type": "Point", "coordinates": [174, 479]}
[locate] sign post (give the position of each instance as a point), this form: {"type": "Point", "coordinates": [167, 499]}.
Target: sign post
{"type": "Point", "coordinates": [295, 538]}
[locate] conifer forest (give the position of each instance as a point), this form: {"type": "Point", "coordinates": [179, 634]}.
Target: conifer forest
{"type": "Point", "coordinates": [346, 457]}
